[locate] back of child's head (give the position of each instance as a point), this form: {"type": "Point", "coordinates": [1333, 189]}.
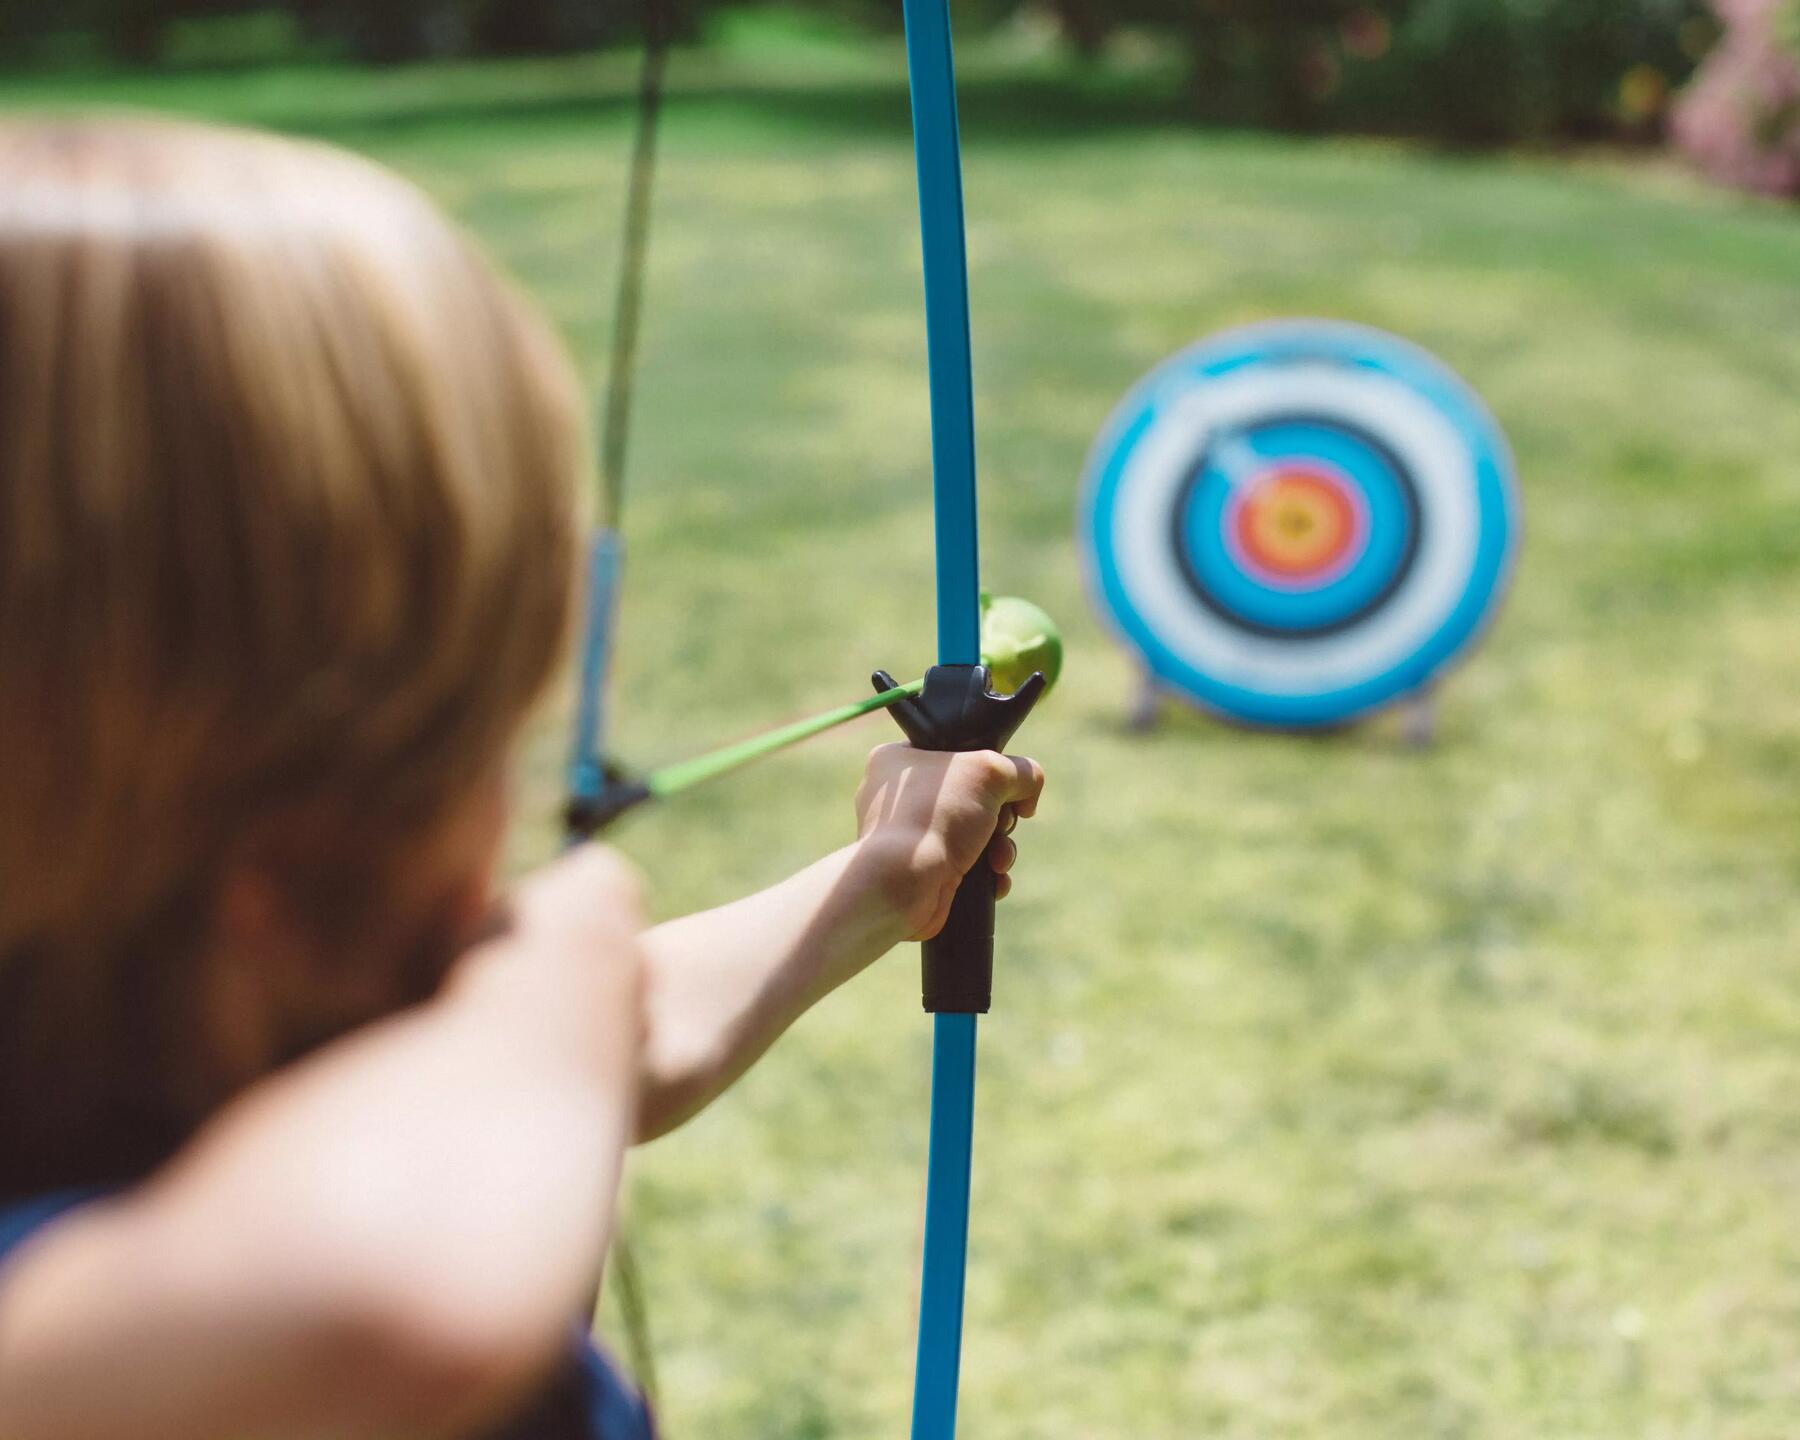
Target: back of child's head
{"type": "Point", "coordinates": [286, 551]}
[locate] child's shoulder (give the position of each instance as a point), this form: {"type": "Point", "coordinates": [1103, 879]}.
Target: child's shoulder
{"type": "Point", "coordinates": [21, 1219]}
{"type": "Point", "coordinates": [589, 1400]}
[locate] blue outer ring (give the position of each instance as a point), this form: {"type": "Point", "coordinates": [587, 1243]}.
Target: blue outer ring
{"type": "Point", "coordinates": [1284, 342]}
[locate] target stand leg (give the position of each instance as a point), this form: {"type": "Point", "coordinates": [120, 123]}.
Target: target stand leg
{"type": "Point", "coordinates": [1418, 719]}
{"type": "Point", "coordinates": [1146, 706]}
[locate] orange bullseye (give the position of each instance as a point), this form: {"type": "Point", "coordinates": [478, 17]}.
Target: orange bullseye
{"type": "Point", "coordinates": [1296, 524]}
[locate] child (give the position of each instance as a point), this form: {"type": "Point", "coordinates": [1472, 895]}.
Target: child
{"type": "Point", "coordinates": [302, 1133]}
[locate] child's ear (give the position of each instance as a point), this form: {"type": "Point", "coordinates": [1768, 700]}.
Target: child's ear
{"type": "Point", "coordinates": [310, 932]}
{"type": "Point", "coordinates": [475, 909]}
{"type": "Point", "coordinates": [324, 922]}
{"type": "Point", "coordinates": [256, 963]}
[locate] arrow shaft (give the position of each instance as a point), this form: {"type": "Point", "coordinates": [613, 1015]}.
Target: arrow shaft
{"type": "Point", "coordinates": [685, 774]}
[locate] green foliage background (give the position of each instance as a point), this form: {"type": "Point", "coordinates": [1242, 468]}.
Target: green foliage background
{"type": "Point", "coordinates": [1787, 25]}
{"type": "Point", "coordinates": [1334, 1090]}
{"type": "Point", "coordinates": [1468, 71]}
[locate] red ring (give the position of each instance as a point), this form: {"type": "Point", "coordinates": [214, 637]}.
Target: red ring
{"type": "Point", "coordinates": [1295, 524]}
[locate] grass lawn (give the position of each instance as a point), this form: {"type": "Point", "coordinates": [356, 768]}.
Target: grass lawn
{"type": "Point", "coordinates": [1333, 1090]}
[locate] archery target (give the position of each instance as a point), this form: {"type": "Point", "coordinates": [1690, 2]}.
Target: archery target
{"type": "Point", "coordinates": [1298, 522]}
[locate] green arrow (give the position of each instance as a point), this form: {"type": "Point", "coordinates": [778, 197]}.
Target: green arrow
{"type": "Point", "coordinates": [1017, 638]}
{"type": "Point", "coordinates": [685, 774]}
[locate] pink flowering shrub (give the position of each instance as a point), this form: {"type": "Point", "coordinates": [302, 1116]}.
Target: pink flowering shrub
{"type": "Point", "coordinates": [1739, 120]}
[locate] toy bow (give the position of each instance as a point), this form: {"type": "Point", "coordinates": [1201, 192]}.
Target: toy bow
{"type": "Point", "coordinates": [953, 708]}
{"type": "Point", "coordinates": [956, 711]}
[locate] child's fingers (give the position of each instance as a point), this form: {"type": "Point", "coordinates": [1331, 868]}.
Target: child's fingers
{"type": "Point", "coordinates": [1015, 780]}
{"type": "Point", "coordinates": [1002, 854]}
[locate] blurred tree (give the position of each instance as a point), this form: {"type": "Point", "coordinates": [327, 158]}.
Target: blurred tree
{"type": "Point", "coordinates": [1472, 71]}
{"type": "Point", "coordinates": [1740, 119]}
{"type": "Point", "coordinates": [1268, 62]}
{"type": "Point", "coordinates": [523, 26]}
{"type": "Point", "coordinates": [135, 32]}
{"type": "Point", "coordinates": [1487, 71]}
{"type": "Point", "coordinates": [388, 32]}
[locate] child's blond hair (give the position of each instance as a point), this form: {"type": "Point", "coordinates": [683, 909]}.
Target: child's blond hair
{"type": "Point", "coordinates": [285, 541]}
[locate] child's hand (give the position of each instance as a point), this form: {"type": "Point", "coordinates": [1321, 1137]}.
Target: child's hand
{"type": "Point", "coordinates": [931, 817]}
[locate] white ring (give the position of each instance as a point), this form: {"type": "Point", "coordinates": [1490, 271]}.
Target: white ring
{"type": "Point", "coordinates": [1435, 457]}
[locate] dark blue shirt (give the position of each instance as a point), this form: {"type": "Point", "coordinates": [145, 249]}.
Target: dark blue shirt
{"type": "Point", "coordinates": [587, 1400]}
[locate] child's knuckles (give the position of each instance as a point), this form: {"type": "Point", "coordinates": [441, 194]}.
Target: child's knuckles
{"type": "Point", "coordinates": [1026, 784]}
{"type": "Point", "coordinates": [971, 768]}
{"type": "Point", "coordinates": [997, 774]}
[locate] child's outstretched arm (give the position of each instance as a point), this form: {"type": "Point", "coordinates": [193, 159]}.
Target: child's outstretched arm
{"type": "Point", "coordinates": [724, 984]}
{"type": "Point", "coordinates": [388, 1240]}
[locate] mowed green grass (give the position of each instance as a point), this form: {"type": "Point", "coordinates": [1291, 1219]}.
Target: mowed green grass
{"type": "Point", "coordinates": [1332, 1090]}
